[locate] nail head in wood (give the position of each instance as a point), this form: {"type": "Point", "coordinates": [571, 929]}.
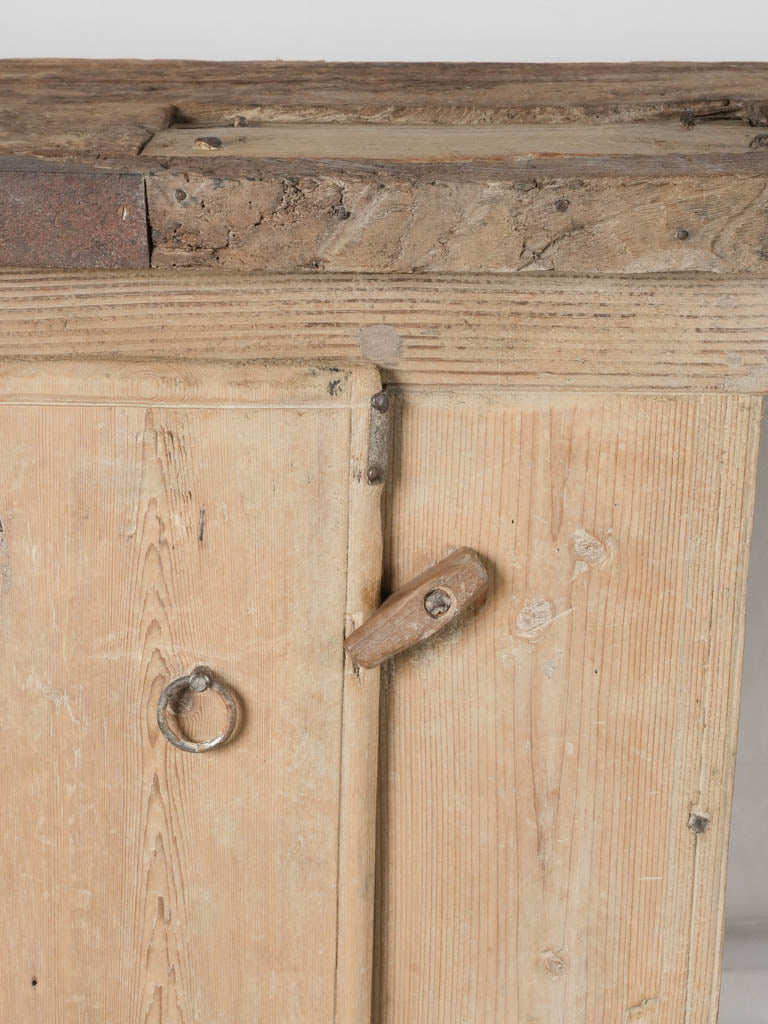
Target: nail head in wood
{"type": "Point", "coordinates": [437, 602]}
{"type": "Point", "coordinates": [420, 609]}
{"type": "Point", "coordinates": [380, 401]}
{"type": "Point", "coordinates": [200, 678]}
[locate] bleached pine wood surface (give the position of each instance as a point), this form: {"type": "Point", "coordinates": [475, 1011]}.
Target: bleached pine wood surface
{"type": "Point", "coordinates": [155, 516]}
{"type": "Point", "coordinates": [556, 777]}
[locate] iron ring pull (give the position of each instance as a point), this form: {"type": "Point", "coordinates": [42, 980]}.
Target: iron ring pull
{"type": "Point", "coordinates": [199, 679]}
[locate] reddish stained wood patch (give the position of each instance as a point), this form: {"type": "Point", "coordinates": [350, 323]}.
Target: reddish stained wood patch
{"type": "Point", "coordinates": [71, 217]}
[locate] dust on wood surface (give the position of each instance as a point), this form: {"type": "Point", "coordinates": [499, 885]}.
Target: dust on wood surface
{"type": "Point", "coordinates": [548, 219]}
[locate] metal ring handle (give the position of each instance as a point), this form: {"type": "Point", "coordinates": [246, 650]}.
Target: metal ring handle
{"type": "Point", "coordinates": [199, 679]}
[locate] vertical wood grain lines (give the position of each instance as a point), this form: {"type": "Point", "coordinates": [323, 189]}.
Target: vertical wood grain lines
{"type": "Point", "coordinates": [146, 884]}
{"type": "Point", "coordinates": [540, 766]}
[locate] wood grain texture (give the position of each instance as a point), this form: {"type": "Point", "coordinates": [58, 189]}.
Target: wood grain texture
{"type": "Point", "coordinates": [556, 777]}
{"type": "Point", "coordinates": [612, 181]}
{"type": "Point", "coordinates": [456, 584]}
{"type": "Point", "coordinates": [574, 220]}
{"type": "Point", "coordinates": [154, 516]}
{"type": "Point", "coordinates": [112, 108]}
{"type": "Point", "coordinates": [441, 143]}
{"type": "Point", "coordinates": [694, 333]}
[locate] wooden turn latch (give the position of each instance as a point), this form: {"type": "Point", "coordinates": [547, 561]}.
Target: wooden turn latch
{"type": "Point", "coordinates": [420, 609]}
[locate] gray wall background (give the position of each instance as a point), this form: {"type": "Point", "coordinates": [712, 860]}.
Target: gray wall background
{"type": "Point", "coordinates": [744, 998]}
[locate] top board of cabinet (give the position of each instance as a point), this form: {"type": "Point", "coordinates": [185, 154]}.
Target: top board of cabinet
{"type": "Point", "coordinates": [638, 168]}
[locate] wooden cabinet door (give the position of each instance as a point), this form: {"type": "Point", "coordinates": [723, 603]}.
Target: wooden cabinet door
{"type": "Point", "coordinates": [556, 776]}
{"type": "Point", "coordinates": [155, 516]}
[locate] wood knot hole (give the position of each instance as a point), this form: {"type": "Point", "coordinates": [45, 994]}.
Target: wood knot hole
{"type": "Point", "coordinates": [554, 962]}
{"type": "Point", "coordinates": [698, 823]}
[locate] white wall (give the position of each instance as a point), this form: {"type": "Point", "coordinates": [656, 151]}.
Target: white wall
{"type": "Point", "coordinates": [497, 30]}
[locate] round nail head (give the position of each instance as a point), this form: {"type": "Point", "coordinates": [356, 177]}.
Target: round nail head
{"type": "Point", "coordinates": [380, 401]}
{"type": "Point", "coordinates": [437, 602]}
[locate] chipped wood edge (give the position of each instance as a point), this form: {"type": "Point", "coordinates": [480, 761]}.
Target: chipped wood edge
{"type": "Point", "coordinates": [111, 108]}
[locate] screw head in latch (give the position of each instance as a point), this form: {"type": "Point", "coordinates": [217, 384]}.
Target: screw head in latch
{"type": "Point", "coordinates": [437, 602]}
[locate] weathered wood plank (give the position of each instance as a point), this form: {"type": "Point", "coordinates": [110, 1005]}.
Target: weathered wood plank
{"type": "Point", "coordinates": [556, 777]}
{"type": "Point", "coordinates": [111, 108]}
{"type": "Point", "coordinates": [161, 519]}
{"type": "Point", "coordinates": [703, 333]}
{"type": "Point", "coordinates": [609, 200]}
{"type": "Point", "coordinates": [570, 198]}
{"type": "Point", "coordinates": [453, 143]}
{"type": "Point", "coordinates": [459, 219]}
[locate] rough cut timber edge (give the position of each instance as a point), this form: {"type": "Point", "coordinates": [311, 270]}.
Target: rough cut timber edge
{"type": "Point", "coordinates": [64, 106]}
{"type": "Point", "coordinates": [603, 214]}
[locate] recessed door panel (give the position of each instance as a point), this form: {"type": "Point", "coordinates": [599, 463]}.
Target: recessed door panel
{"type": "Point", "coordinates": [155, 517]}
